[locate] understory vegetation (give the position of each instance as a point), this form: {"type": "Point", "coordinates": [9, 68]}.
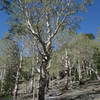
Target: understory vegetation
{"type": "Point", "coordinates": [76, 61]}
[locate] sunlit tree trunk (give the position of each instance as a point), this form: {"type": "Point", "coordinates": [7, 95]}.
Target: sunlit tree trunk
{"type": "Point", "coordinates": [34, 88]}
{"type": "Point", "coordinates": [79, 71]}
{"type": "Point", "coordinates": [68, 68]}
{"type": "Point", "coordinates": [32, 80]}
{"type": "Point", "coordinates": [2, 76]}
{"type": "Point", "coordinates": [17, 78]}
{"type": "Point", "coordinates": [96, 73]}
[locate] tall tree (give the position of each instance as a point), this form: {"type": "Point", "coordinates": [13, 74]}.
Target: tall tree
{"type": "Point", "coordinates": [42, 20]}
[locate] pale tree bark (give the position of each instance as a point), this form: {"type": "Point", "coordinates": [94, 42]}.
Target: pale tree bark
{"type": "Point", "coordinates": [96, 72]}
{"type": "Point", "coordinates": [17, 78]}
{"type": "Point", "coordinates": [34, 88]}
{"type": "Point", "coordinates": [73, 71]}
{"type": "Point", "coordinates": [70, 76]}
{"type": "Point", "coordinates": [88, 71]}
{"type": "Point", "coordinates": [32, 74]}
{"type": "Point", "coordinates": [94, 69]}
{"type": "Point", "coordinates": [91, 67]}
{"type": "Point", "coordinates": [33, 83]}
{"type": "Point", "coordinates": [2, 76]}
{"type": "Point", "coordinates": [79, 70]}
{"type": "Point", "coordinates": [68, 68]}
{"type": "Point", "coordinates": [45, 44]}
{"type": "Point", "coordinates": [84, 70]}
{"type": "Point", "coordinates": [32, 79]}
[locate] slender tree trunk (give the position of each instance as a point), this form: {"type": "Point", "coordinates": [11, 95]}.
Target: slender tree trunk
{"type": "Point", "coordinates": [68, 71]}
{"type": "Point", "coordinates": [34, 88]}
{"type": "Point", "coordinates": [94, 69]}
{"type": "Point", "coordinates": [33, 84]}
{"type": "Point", "coordinates": [70, 75]}
{"type": "Point", "coordinates": [96, 72]}
{"type": "Point", "coordinates": [47, 83]}
{"type": "Point", "coordinates": [17, 78]}
{"type": "Point", "coordinates": [3, 73]}
{"type": "Point", "coordinates": [79, 71]}
{"type": "Point", "coordinates": [32, 80]}
{"type": "Point", "coordinates": [98, 77]}
{"type": "Point", "coordinates": [37, 90]}
{"type": "Point", "coordinates": [16, 86]}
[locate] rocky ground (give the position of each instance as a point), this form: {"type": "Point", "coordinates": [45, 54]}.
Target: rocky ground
{"type": "Point", "coordinates": [89, 90]}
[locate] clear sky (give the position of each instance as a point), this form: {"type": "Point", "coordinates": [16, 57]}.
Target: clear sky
{"type": "Point", "coordinates": [3, 23]}
{"type": "Point", "coordinates": [91, 20]}
{"type": "Point", "coordinates": [90, 23]}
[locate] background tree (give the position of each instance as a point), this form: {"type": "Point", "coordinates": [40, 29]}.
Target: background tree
{"type": "Point", "coordinates": [76, 60]}
{"type": "Point", "coordinates": [10, 52]}
{"type": "Point", "coordinates": [98, 36]}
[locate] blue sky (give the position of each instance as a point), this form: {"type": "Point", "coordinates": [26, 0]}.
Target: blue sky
{"type": "Point", "coordinates": [90, 23]}
{"type": "Point", "coordinates": [91, 20]}
{"type": "Point", "coordinates": [3, 23]}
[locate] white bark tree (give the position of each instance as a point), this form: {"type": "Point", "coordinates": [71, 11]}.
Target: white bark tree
{"type": "Point", "coordinates": [17, 77]}
{"type": "Point", "coordinates": [42, 20]}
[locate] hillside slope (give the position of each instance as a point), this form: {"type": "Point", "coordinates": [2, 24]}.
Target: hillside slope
{"type": "Point", "coordinates": [90, 90]}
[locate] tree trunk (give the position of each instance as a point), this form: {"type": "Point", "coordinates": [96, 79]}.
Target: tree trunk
{"type": "Point", "coordinates": [16, 86]}
{"type": "Point", "coordinates": [41, 94]}
{"type": "Point", "coordinates": [79, 71]}
{"type": "Point", "coordinates": [32, 80]}
{"type": "Point", "coordinates": [17, 78]}
{"type": "Point", "coordinates": [96, 72]}
{"type": "Point", "coordinates": [47, 82]}
{"type": "Point", "coordinates": [43, 79]}
{"type": "Point", "coordinates": [34, 89]}
{"type": "Point", "coordinates": [2, 76]}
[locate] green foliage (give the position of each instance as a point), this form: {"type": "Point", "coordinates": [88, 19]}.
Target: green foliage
{"type": "Point", "coordinates": [82, 46]}
{"type": "Point", "coordinates": [56, 65]}
{"type": "Point", "coordinates": [97, 57]}
{"type": "Point", "coordinates": [9, 81]}
{"type": "Point", "coordinates": [90, 36]}
{"type": "Point", "coordinates": [26, 75]}
{"type": "Point", "coordinates": [62, 74]}
{"type": "Point", "coordinates": [76, 76]}
{"type": "Point", "coordinates": [92, 76]}
{"type": "Point", "coordinates": [5, 97]}
{"type": "Point", "coordinates": [30, 17]}
{"type": "Point", "coordinates": [9, 54]}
